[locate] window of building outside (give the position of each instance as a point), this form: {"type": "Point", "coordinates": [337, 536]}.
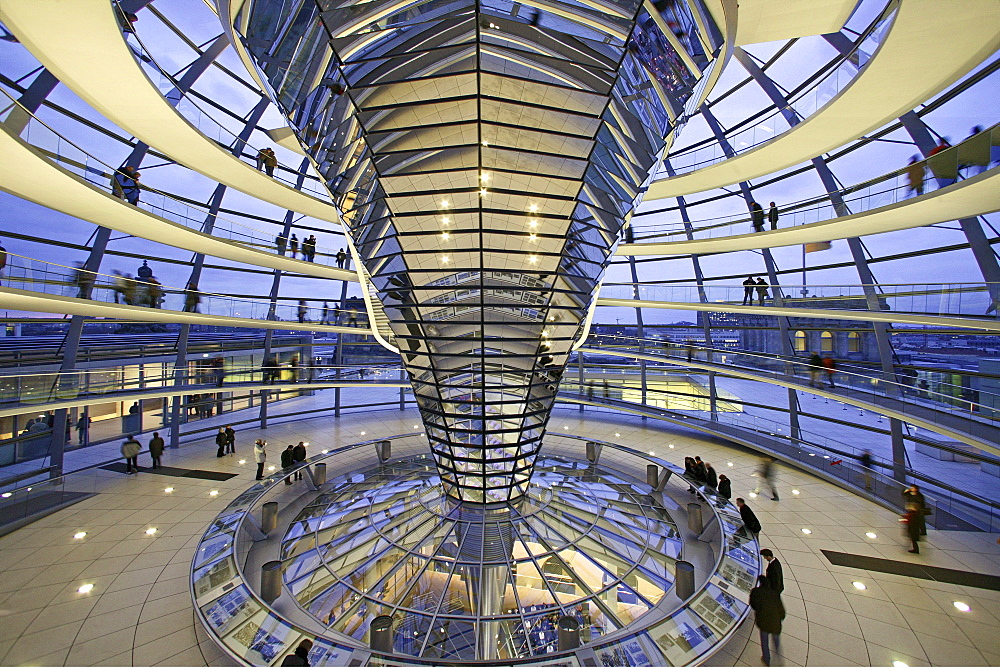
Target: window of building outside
{"type": "Point", "coordinates": [853, 342]}
{"type": "Point", "coordinates": [826, 342]}
{"type": "Point", "coordinates": [801, 342]}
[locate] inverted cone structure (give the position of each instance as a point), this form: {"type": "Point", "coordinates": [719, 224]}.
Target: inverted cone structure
{"type": "Point", "coordinates": [485, 157]}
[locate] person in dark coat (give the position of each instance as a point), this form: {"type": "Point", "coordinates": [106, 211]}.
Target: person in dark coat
{"type": "Point", "coordinates": [299, 456]}
{"type": "Point", "coordinates": [156, 449]}
{"type": "Point", "coordinates": [749, 286]}
{"type": "Point", "coordinates": [221, 440]}
{"type": "Point", "coordinates": [230, 439]}
{"type": "Point", "coordinates": [775, 576]}
{"type": "Point", "coordinates": [913, 499]}
{"type": "Point", "coordinates": [911, 524]}
{"type": "Point", "coordinates": [700, 472]}
{"type": "Point", "coordinates": [772, 216]}
{"type": "Point", "coordinates": [689, 471]}
{"type": "Point", "coordinates": [757, 216]}
{"type": "Point", "coordinates": [750, 522]}
{"type": "Point", "coordinates": [287, 462]}
{"type": "Point", "coordinates": [725, 487]}
{"type": "Point", "coordinates": [768, 614]}
{"type": "Point", "coordinates": [711, 479]}
{"type": "Point", "coordinates": [300, 657]}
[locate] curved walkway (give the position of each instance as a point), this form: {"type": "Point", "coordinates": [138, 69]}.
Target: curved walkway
{"type": "Point", "coordinates": [81, 43]}
{"type": "Point", "coordinates": [974, 196]}
{"type": "Point", "coordinates": [181, 390]}
{"type": "Point", "coordinates": [27, 173]}
{"type": "Point", "coordinates": [954, 425]}
{"type": "Point", "coordinates": [930, 45]}
{"type": "Point", "coordinates": [885, 203]}
{"type": "Point", "coordinates": [25, 300]}
{"type": "Point", "coordinates": [983, 324]}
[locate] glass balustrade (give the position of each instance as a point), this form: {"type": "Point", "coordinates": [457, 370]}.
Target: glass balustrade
{"type": "Point", "coordinates": [74, 159]}
{"type": "Point", "coordinates": [26, 273]}
{"type": "Point", "coordinates": [801, 106]}
{"type": "Point", "coordinates": [967, 417]}
{"type": "Point", "coordinates": [973, 156]}
{"type": "Point", "coordinates": [969, 300]}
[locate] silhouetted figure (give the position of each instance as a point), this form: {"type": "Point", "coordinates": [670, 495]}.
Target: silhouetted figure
{"type": "Point", "coordinates": [772, 216]}
{"type": "Point", "coordinates": [281, 241]}
{"type": "Point", "coordinates": [125, 184]}
{"type": "Point", "coordinates": [341, 258]}
{"type": "Point", "coordinates": [84, 281]}
{"type": "Point", "coordinates": [915, 175]}
{"type": "Point", "coordinates": [302, 310]}
{"type": "Point", "coordinates": [293, 246]}
{"type": "Point", "coordinates": [267, 160]}
{"type": "Point", "coordinates": [757, 217]}
{"type": "Point", "coordinates": [749, 285]}
{"type": "Point", "coordinates": [191, 298]}
{"type": "Point", "coordinates": [768, 615]}
{"type": "Point", "coordinates": [761, 287]}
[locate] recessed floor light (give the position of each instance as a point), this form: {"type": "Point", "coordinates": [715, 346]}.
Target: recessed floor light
{"type": "Point", "coordinates": [964, 607]}
{"type": "Point", "coordinates": [671, 446]}
{"type": "Point", "coordinates": [150, 531]}
{"type": "Point", "coordinates": [270, 468]}
{"type": "Point", "coordinates": [214, 492]}
{"type": "Point", "coordinates": [363, 433]}
{"type": "Point", "coordinates": [617, 435]}
{"type": "Point", "coordinates": [807, 531]}
{"type": "Point", "coordinates": [753, 495]}
{"type": "Point", "coordinates": [727, 463]}
{"type": "Point", "coordinates": [871, 534]}
{"type": "Point", "coordinates": [900, 664]}
{"type": "Point", "coordinates": [325, 451]}
{"type": "Point", "coordinates": [168, 489]}
{"type": "Point", "coordinates": [242, 461]}
{"type": "Point", "coordinates": [5, 495]}
{"type": "Point", "coordinates": [860, 585]}
{"type": "Point", "coordinates": [416, 426]}
{"type": "Point", "coordinates": [85, 588]}
{"type": "Point", "coordinates": [79, 534]}
{"type": "Point", "coordinates": [795, 492]}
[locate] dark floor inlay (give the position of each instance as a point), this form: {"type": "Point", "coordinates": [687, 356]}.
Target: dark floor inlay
{"type": "Point", "coordinates": [119, 467]}
{"type": "Point", "coordinates": [949, 575]}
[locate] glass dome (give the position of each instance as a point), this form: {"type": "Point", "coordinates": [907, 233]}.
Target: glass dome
{"type": "Point", "coordinates": [468, 583]}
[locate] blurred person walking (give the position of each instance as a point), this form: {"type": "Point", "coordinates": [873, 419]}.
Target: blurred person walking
{"type": "Point", "coordinates": [815, 368]}
{"type": "Point", "coordinates": [191, 297]}
{"type": "Point", "coordinates": [281, 241]}
{"type": "Point", "coordinates": [867, 463]}
{"type": "Point", "coordinates": [293, 246]}
{"type": "Point", "coordinates": [831, 368]}
{"type": "Point", "coordinates": [757, 216]}
{"type": "Point", "coordinates": [84, 281]}
{"type": "Point", "coordinates": [768, 615]}
{"type": "Point", "coordinates": [83, 429]}
{"type": "Point", "coordinates": [130, 451]}
{"type": "Point", "coordinates": [914, 498]}
{"type": "Point", "coordinates": [915, 175]}
{"type": "Point", "coordinates": [766, 476]}
{"type": "Point", "coordinates": [302, 310]}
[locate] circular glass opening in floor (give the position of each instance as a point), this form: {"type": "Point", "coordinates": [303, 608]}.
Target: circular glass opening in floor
{"type": "Point", "coordinates": [480, 583]}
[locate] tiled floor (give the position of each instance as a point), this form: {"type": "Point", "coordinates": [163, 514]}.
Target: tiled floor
{"type": "Point", "coordinates": [139, 611]}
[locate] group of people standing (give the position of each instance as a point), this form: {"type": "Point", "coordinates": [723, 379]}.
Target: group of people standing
{"type": "Point", "coordinates": [751, 285]}
{"type": "Point", "coordinates": [702, 473]}
{"type": "Point", "coordinates": [291, 457]}
{"type": "Point", "coordinates": [226, 441]}
{"type": "Point", "coordinates": [757, 216]}
{"type": "Point", "coordinates": [291, 244]}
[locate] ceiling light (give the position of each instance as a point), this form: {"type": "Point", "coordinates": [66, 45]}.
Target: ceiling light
{"type": "Point", "coordinates": [446, 220]}
{"type": "Point", "coordinates": [533, 236]}
{"type": "Point", "coordinates": [485, 143]}
{"type": "Point", "coordinates": [444, 202]}
{"type": "Point", "coordinates": [861, 586]}
{"type": "Point", "coordinates": [150, 531]}
{"type": "Point", "coordinates": [807, 531]}
{"type": "Point", "coordinates": [214, 492]}
{"type": "Point", "coordinates": [445, 259]}
{"type": "Point", "coordinates": [79, 534]}
{"type": "Point", "coordinates": [445, 235]}
{"type": "Point", "coordinates": [485, 176]}
{"type": "Point", "coordinates": [871, 534]}
{"type": "Point", "coordinates": [85, 588]}
{"type": "Point", "coordinates": [531, 258]}
{"type": "Point", "coordinates": [959, 605]}
{"type": "Point", "coordinates": [533, 207]}
{"type": "Point", "coordinates": [483, 192]}
{"type": "Point", "coordinates": [533, 223]}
